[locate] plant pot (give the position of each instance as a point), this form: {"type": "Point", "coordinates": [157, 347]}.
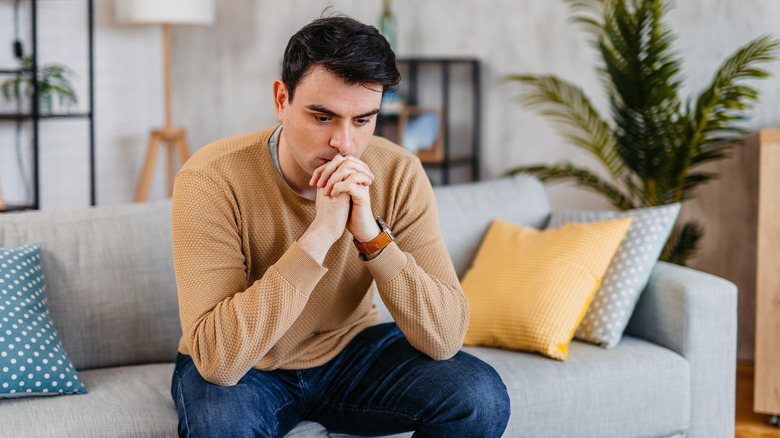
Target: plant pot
{"type": "Point", "coordinates": [45, 104]}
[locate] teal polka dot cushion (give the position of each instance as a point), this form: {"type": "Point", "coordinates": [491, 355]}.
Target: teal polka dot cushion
{"type": "Point", "coordinates": [32, 360]}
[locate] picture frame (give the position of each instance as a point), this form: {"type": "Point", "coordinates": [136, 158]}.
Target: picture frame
{"type": "Point", "coordinates": [421, 131]}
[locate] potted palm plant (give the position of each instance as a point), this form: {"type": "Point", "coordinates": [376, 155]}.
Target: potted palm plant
{"type": "Point", "coordinates": [52, 81]}
{"type": "Point", "coordinates": [655, 142]}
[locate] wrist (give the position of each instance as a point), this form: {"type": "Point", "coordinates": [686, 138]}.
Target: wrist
{"type": "Point", "coordinates": [315, 245]}
{"type": "Point", "coordinates": [371, 235]}
{"type": "Point", "coordinates": [369, 249]}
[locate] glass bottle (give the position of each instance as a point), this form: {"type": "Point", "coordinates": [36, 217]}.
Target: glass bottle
{"type": "Point", "coordinates": [387, 24]}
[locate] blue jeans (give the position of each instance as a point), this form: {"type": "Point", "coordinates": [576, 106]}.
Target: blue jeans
{"type": "Point", "coordinates": [379, 385]}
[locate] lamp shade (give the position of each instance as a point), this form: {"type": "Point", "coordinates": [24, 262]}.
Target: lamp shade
{"type": "Point", "coordinates": [165, 11]}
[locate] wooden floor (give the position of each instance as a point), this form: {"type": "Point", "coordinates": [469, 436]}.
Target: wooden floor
{"type": "Point", "coordinates": [749, 424]}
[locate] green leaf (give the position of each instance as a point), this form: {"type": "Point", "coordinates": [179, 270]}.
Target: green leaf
{"type": "Point", "coordinates": [683, 243]}
{"type": "Point", "coordinates": [580, 176]}
{"type": "Point", "coordinates": [573, 115]}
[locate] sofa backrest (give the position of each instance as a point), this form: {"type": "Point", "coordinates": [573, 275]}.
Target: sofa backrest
{"type": "Point", "coordinates": [466, 211]}
{"type": "Point", "coordinates": [109, 280]}
{"type": "Point", "coordinates": [109, 272]}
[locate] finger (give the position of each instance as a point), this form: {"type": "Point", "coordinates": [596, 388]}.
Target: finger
{"type": "Point", "coordinates": [346, 174]}
{"type": "Point", "coordinates": [315, 176]}
{"type": "Point", "coordinates": [358, 165]}
{"type": "Point", "coordinates": [355, 186]}
{"type": "Point", "coordinates": [342, 162]}
{"type": "Point", "coordinates": [345, 169]}
{"type": "Point", "coordinates": [328, 169]}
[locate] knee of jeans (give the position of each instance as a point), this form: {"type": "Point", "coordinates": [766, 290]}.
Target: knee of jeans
{"type": "Point", "coordinates": [487, 397]}
{"type": "Point", "coordinates": [219, 423]}
{"type": "Point", "coordinates": [225, 413]}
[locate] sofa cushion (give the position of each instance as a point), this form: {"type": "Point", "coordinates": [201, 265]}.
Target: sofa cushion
{"type": "Point", "coordinates": [122, 401]}
{"type": "Point", "coordinates": [635, 389]}
{"type": "Point", "coordinates": [32, 360]}
{"type": "Point", "coordinates": [529, 289]}
{"type": "Point", "coordinates": [109, 280]}
{"type": "Point", "coordinates": [466, 211]}
{"type": "Point", "coordinates": [628, 272]}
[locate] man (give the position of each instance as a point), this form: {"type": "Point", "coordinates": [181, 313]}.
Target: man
{"type": "Point", "coordinates": [277, 237]}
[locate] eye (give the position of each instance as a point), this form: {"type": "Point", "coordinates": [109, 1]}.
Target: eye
{"type": "Point", "coordinates": [321, 119]}
{"type": "Point", "coordinates": [361, 122]}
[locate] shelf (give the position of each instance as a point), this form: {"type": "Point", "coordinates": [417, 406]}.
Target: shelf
{"type": "Point", "coordinates": [9, 208]}
{"type": "Point", "coordinates": [460, 161]}
{"type": "Point", "coordinates": [15, 71]}
{"type": "Point", "coordinates": [51, 116]}
{"type": "Point", "coordinates": [29, 114]}
{"type": "Point", "coordinates": [422, 73]}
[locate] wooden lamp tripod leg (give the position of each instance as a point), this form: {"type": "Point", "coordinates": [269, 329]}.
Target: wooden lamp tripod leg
{"type": "Point", "coordinates": [142, 193]}
{"type": "Point", "coordinates": [177, 141]}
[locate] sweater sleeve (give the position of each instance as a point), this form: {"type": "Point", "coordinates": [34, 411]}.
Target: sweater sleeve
{"type": "Point", "coordinates": [414, 274]}
{"type": "Point", "coordinates": [229, 326]}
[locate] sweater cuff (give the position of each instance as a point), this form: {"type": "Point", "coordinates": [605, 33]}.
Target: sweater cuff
{"type": "Point", "coordinates": [300, 269]}
{"type": "Point", "coordinates": [387, 265]}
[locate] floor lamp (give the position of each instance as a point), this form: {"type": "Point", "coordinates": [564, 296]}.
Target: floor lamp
{"type": "Point", "coordinates": [165, 13]}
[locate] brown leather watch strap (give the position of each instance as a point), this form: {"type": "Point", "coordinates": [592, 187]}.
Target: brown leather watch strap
{"type": "Point", "coordinates": [373, 245]}
{"type": "Point", "coordinates": [377, 243]}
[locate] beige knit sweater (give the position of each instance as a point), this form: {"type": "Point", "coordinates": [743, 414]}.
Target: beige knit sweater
{"type": "Point", "coordinates": [250, 296]}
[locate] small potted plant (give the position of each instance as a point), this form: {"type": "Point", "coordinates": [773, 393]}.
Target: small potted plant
{"type": "Point", "coordinates": [52, 80]}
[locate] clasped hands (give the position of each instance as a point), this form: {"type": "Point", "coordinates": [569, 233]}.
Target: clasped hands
{"type": "Point", "coordinates": [342, 202]}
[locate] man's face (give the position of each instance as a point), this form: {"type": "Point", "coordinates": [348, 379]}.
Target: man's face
{"type": "Point", "coordinates": [327, 117]}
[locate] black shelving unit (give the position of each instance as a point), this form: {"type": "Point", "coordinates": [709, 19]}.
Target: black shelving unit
{"type": "Point", "coordinates": [35, 116]}
{"type": "Point", "coordinates": [410, 87]}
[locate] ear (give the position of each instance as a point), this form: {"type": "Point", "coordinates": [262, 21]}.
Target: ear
{"type": "Point", "coordinates": [280, 98]}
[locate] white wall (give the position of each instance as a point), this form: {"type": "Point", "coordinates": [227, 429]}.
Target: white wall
{"type": "Point", "coordinates": [222, 77]}
{"type": "Point", "coordinates": [229, 68]}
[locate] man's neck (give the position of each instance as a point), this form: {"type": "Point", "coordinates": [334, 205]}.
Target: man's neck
{"type": "Point", "coordinates": [294, 175]}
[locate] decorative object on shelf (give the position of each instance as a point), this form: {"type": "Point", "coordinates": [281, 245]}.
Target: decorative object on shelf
{"type": "Point", "coordinates": [421, 132]}
{"type": "Point", "coordinates": [52, 80]}
{"type": "Point", "coordinates": [164, 12]}
{"type": "Point", "coordinates": [387, 25]}
{"type": "Point", "coordinates": [392, 103]}
{"type": "Point", "coordinates": [656, 142]}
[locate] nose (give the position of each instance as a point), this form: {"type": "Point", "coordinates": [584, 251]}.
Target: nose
{"type": "Point", "coordinates": [341, 138]}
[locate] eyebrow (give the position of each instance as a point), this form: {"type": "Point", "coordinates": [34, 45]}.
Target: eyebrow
{"type": "Point", "coordinates": [322, 109]}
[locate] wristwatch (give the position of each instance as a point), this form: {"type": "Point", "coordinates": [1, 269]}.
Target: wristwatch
{"type": "Point", "coordinates": [377, 243]}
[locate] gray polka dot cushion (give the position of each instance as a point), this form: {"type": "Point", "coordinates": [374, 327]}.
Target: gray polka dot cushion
{"type": "Point", "coordinates": [628, 272]}
{"type": "Point", "coordinates": [32, 360]}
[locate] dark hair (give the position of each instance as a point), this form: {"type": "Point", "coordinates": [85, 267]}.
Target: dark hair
{"type": "Point", "coordinates": [353, 51]}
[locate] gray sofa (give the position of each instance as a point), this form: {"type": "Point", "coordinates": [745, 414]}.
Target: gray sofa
{"type": "Point", "coordinates": [112, 295]}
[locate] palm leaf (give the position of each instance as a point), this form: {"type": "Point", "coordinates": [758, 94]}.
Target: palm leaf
{"type": "Point", "coordinates": [725, 101]}
{"type": "Point", "coordinates": [583, 177]}
{"type": "Point", "coordinates": [574, 116]}
{"type": "Point", "coordinates": [638, 57]}
{"type": "Point", "coordinates": [683, 243]}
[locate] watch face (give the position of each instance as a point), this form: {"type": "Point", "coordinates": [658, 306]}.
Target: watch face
{"type": "Point", "coordinates": [384, 227]}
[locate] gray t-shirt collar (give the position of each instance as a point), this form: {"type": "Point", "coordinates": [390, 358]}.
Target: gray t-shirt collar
{"type": "Point", "coordinates": [273, 145]}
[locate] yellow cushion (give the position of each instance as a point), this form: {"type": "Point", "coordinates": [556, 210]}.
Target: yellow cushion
{"type": "Point", "coordinates": [529, 289]}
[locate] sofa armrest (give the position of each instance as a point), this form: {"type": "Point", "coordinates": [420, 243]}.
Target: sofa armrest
{"type": "Point", "coordinates": [695, 315]}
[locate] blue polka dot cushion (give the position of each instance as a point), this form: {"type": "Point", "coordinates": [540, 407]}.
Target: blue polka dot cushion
{"type": "Point", "coordinates": [628, 272]}
{"type": "Point", "coordinates": [32, 360]}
